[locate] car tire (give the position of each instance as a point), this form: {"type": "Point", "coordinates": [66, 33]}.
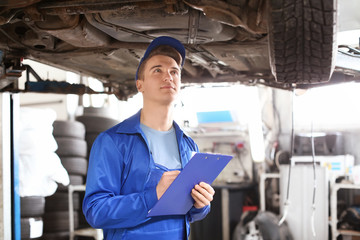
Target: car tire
{"type": "Point", "coordinates": [73, 129]}
{"type": "Point", "coordinates": [97, 111]}
{"type": "Point", "coordinates": [75, 165]}
{"type": "Point", "coordinates": [90, 138]}
{"type": "Point", "coordinates": [60, 202]}
{"type": "Point", "coordinates": [302, 40]}
{"type": "Point", "coordinates": [32, 206]}
{"type": "Point", "coordinates": [71, 147]}
{"type": "Point", "coordinates": [268, 224]}
{"type": "Point", "coordinates": [59, 221]}
{"type": "Point", "coordinates": [64, 235]}
{"type": "Point", "coordinates": [96, 124]}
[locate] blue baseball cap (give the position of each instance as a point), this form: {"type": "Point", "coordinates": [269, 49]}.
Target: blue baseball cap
{"type": "Point", "coordinates": [159, 41]}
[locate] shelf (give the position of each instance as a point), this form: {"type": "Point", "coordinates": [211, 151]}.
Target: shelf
{"type": "Point", "coordinates": [88, 232]}
{"type": "Point", "coordinates": [335, 187]}
{"type": "Point", "coordinates": [346, 186]}
{"type": "Point", "coordinates": [349, 232]}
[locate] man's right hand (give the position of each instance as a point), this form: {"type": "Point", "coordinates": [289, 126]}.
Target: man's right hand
{"type": "Point", "coordinates": [166, 179]}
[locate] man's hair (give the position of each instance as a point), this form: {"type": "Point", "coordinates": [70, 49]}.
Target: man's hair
{"type": "Point", "coordinates": [164, 50]}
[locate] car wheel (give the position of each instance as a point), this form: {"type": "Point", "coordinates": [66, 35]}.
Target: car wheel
{"type": "Point", "coordinates": [302, 40]}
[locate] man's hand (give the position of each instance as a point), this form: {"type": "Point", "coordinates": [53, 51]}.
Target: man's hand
{"type": "Point", "coordinates": [166, 179]}
{"type": "Point", "coordinates": [202, 194]}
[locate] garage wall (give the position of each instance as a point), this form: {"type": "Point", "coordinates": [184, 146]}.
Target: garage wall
{"type": "Point", "coordinates": [57, 102]}
{"type": "Point", "coordinates": [352, 144]}
{"type": "Point", "coordinates": [283, 105]}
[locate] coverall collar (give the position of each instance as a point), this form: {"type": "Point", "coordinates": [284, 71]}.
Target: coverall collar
{"type": "Point", "coordinates": [132, 126]}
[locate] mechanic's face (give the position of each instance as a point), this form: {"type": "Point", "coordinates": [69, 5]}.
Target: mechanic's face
{"type": "Point", "coordinates": [161, 81]}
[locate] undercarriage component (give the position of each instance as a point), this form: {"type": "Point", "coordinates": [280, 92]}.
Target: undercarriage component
{"type": "Point", "coordinates": [9, 82]}
{"type": "Point", "coordinates": [281, 44]}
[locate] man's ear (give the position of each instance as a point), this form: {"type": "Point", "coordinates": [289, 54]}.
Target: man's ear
{"type": "Point", "coordinates": [139, 85]}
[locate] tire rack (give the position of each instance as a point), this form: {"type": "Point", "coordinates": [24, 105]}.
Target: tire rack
{"type": "Point", "coordinates": [87, 232]}
{"type": "Point", "coordinates": [95, 120]}
{"type": "Point", "coordinates": [72, 150]}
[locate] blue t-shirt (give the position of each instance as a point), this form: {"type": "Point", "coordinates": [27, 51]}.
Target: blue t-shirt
{"type": "Point", "coordinates": [163, 147]}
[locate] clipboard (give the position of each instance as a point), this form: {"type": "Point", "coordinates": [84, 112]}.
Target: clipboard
{"type": "Point", "coordinates": [177, 200]}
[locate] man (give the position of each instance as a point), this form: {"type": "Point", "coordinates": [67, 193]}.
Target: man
{"type": "Point", "coordinates": [133, 163]}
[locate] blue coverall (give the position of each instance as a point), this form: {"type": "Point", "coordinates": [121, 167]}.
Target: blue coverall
{"type": "Point", "coordinates": [121, 186]}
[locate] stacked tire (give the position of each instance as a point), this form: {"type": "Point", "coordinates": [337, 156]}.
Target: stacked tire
{"type": "Point", "coordinates": [96, 120]}
{"type": "Point", "coordinates": [32, 211]}
{"type": "Point", "coordinates": [72, 150]}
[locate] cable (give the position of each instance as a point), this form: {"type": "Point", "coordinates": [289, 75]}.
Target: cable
{"type": "Point", "coordinates": [287, 202]}
{"type": "Point", "coordinates": [353, 52]}
{"type": "Point", "coordinates": [314, 170]}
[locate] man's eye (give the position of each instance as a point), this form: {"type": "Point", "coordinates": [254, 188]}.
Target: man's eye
{"type": "Point", "coordinates": [175, 72]}
{"type": "Point", "coordinates": [157, 70]}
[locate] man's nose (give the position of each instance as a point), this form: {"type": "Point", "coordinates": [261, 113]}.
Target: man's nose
{"type": "Point", "coordinates": [168, 76]}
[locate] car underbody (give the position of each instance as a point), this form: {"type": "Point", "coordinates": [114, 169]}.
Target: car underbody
{"type": "Point", "coordinates": [282, 45]}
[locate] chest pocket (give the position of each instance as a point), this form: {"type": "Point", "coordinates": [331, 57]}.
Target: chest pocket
{"type": "Point", "coordinates": [155, 174]}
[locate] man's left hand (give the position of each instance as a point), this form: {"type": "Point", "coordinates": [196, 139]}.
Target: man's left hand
{"type": "Point", "coordinates": [202, 194]}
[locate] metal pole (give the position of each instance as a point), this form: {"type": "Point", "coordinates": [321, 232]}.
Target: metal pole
{"type": "Point", "coordinates": [263, 178]}
{"type": "Point", "coordinates": [225, 214]}
{"type": "Point", "coordinates": [71, 212]}
{"type": "Point", "coordinates": [15, 158]}
{"type": "Point", "coordinates": [5, 166]}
